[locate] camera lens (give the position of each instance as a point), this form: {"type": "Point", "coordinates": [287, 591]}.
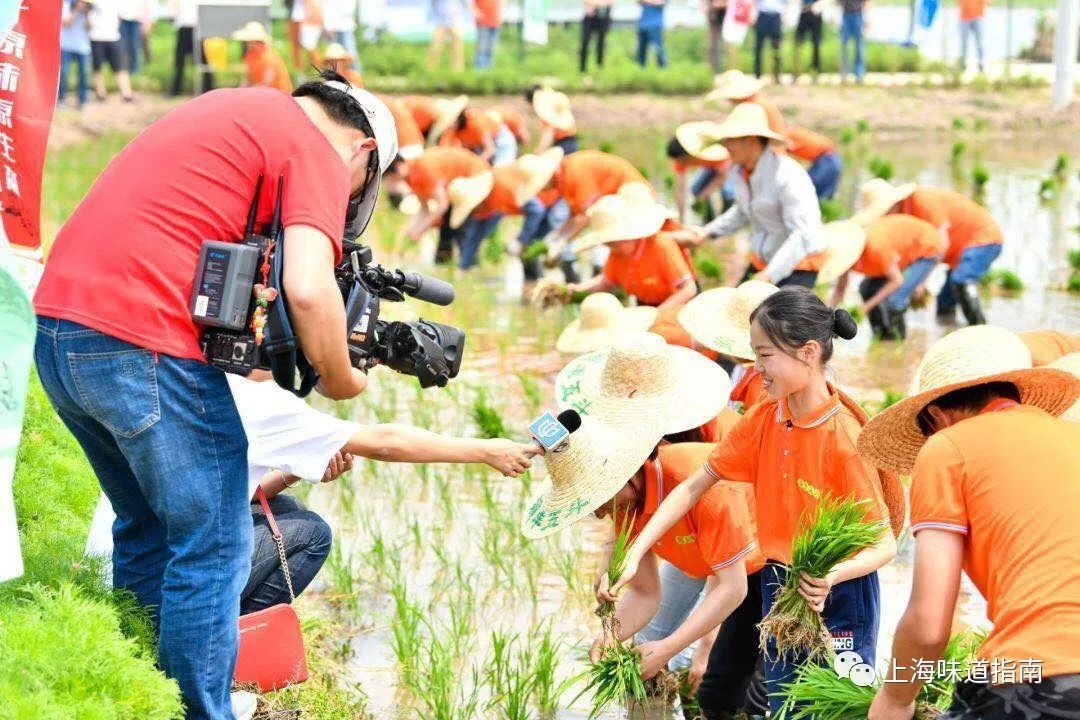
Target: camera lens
{"type": "Point", "coordinates": [239, 351]}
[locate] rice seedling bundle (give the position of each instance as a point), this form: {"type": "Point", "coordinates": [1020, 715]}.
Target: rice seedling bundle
{"type": "Point", "coordinates": [837, 530]}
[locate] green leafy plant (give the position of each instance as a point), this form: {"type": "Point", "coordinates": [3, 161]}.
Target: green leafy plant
{"type": "Point", "coordinates": [708, 267]}
{"type": "Point", "coordinates": [979, 177]}
{"type": "Point", "coordinates": [957, 152]}
{"type": "Point", "coordinates": [836, 530]}
{"type": "Point", "coordinates": [487, 418]}
{"type": "Point", "coordinates": [1003, 281]}
{"type": "Point", "coordinates": [881, 168]}
{"type": "Point", "coordinates": [831, 210]}
{"type": "Point", "coordinates": [847, 136]}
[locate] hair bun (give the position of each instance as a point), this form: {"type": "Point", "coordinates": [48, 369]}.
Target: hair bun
{"type": "Point", "coordinates": [843, 324]}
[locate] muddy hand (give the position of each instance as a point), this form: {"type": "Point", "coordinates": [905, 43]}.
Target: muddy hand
{"type": "Point", "coordinates": [654, 658]}
{"type": "Point", "coordinates": [814, 591]}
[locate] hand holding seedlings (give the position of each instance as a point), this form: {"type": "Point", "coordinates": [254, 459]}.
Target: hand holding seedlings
{"type": "Point", "coordinates": [600, 645]}
{"type": "Point", "coordinates": [816, 590]}
{"type": "Point", "coordinates": [654, 657]}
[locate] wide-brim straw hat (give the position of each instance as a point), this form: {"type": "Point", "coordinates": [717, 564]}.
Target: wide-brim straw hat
{"type": "Point", "coordinates": [970, 356]}
{"type": "Point", "coordinates": [253, 31]}
{"type": "Point", "coordinates": [447, 111]}
{"type": "Point", "coordinates": [553, 108]}
{"type": "Point", "coordinates": [536, 173]}
{"type": "Point", "coordinates": [1071, 364]}
{"type": "Point", "coordinates": [719, 318]}
{"type": "Point", "coordinates": [641, 376]}
{"type": "Point", "coordinates": [410, 205]}
{"type": "Point", "coordinates": [603, 320]}
{"type": "Point", "coordinates": [844, 243]}
{"type": "Point", "coordinates": [411, 152]}
{"type": "Point", "coordinates": [734, 85]}
{"type": "Point", "coordinates": [698, 139]}
{"type": "Point", "coordinates": [466, 193]}
{"type": "Point", "coordinates": [337, 51]}
{"type": "Point", "coordinates": [599, 459]}
{"type": "Point", "coordinates": [630, 214]}
{"type": "Point", "coordinates": [877, 196]}
{"type": "Point", "coordinates": [746, 120]}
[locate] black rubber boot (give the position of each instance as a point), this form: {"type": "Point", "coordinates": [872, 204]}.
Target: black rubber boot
{"type": "Point", "coordinates": [967, 296]}
{"type": "Point", "coordinates": [570, 272]}
{"type": "Point", "coordinates": [897, 323]}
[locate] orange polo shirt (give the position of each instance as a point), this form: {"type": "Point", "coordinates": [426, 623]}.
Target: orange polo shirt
{"type": "Point", "coordinates": [750, 390]}
{"type": "Point", "coordinates": [479, 129]}
{"type": "Point", "coordinates": [407, 131]}
{"type": "Point", "coordinates": [1007, 480]}
{"type": "Point", "coordinates": [488, 13]}
{"type": "Point", "coordinates": [516, 122]}
{"type": "Point", "coordinates": [716, 429]}
{"type": "Point", "coordinates": [806, 144]}
{"type": "Point", "coordinates": [717, 532]}
{"type": "Point", "coordinates": [438, 166]}
{"type": "Point", "coordinates": [900, 240]}
{"type": "Point", "coordinates": [652, 272]}
{"type": "Point", "coordinates": [265, 68]}
{"type": "Point", "coordinates": [422, 109]}
{"type": "Point", "coordinates": [501, 198]}
{"type": "Point", "coordinates": [587, 175]}
{"type": "Point", "coordinates": [1046, 346]}
{"type": "Point", "coordinates": [969, 224]}
{"type": "Point", "coordinates": [792, 462]}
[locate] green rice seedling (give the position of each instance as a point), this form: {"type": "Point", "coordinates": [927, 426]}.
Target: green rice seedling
{"type": "Point", "coordinates": [486, 417]}
{"type": "Point", "coordinates": [979, 124]}
{"type": "Point", "coordinates": [891, 398]}
{"type": "Point", "coordinates": [531, 390]}
{"type": "Point", "coordinates": [835, 531]}
{"type": "Point", "coordinates": [881, 168]}
{"type": "Point", "coordinates": [615, 678]}
{"type": "Point", "coordinates": [708, 267]}
{"type": "Point", "coordinates": [958, 149]}
{"type": "Point", "coordinates": [1048, 188]}
{"type": "Point", "coordinates": [1074, 259]}
{"type": "Point", "coordinates": [342, 577]}
{"type": "Point", "coordinates": [1006, 282]}
{"type": "Point", "coordinates": [534, 251]}
{"type": "Point", "coordinates": [511, 678]}
{"type": "Point", "coordinates": [957, 123]}
{"type": "Point", "coordinates": [979, 177]}
{"type": "Point", "coordinates": [445, 693]}
{"type": "Point", "coordinates": [862, 126]}
{"type": "Point", "coordinates": [566, 566]}
{"type": "Point", "coordinates": [607, 146]}
{"type": "Point", "coordinates": [617, 562]}
{"type": "Point", "coordinates": [831, 210]}
{"type": "Point", "coordinates": [405, 633]}
{"type": "Point", "coordinates": [959, 655]}
{"type": "Point", "coordinates": [1061, 166]}
{"type": "Point", "coordinates": [547, 690]}
{"type": "Point", "coordinates": [856, 313]}
{"type": "Point", "coordinates": [847, 136]}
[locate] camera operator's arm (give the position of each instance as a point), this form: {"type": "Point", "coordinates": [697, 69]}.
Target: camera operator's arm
{"type": "Point", "coordinates": [392, 442]}
{"type": "Point", "coordinates": [276, 482]}
{"type": "Point", "coordinates": [428, 217]}
{"type": "Point", "coordinates": [317, 312]}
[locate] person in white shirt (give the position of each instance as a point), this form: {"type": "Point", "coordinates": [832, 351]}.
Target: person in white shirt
{"type": "Point", "coordinates": [339, 21]}
{"type": "Point", "coordinates": [105, 48]}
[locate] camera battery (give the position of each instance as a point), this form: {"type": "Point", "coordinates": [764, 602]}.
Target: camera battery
{"type": "Point", "coordinates": [221, 296]}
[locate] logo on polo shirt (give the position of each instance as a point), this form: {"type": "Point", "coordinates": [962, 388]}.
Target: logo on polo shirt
{"type": "Point", "coordinates": [808, 489]}
{"type": "Point", "coordinates": [685, 539]}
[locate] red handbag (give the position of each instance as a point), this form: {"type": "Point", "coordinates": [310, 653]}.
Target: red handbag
{"type": "Point", "coordinates": [271, 653]}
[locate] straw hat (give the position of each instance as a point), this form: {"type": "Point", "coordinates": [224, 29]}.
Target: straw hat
{"type": "Point", "coordinates": [746, 120]}
{"type": "Point", "coordinates": [615, 217]}
{"type": "Point", "coordinates": [719, 318]}
{"type": "Point", "coordinates": [974, 355]}
{"type": "Point", "coordinates": [641, 376]}
{"type": "Point", "coordinates": [466, 193]}
{"type": "Point", "coordinates": [844, 243]}
{"type": "Point", "coordinates": [446, 114]}
{"type": "Point", "coordinates": [254, 31]}
{"type": "Point", "coordinates": [536, 173]}
{"type": "Point", "coordinates": [598, 461]}
{"type": "Point", "coordinates": [553, 108]}
{"type": "Point", "coordinates": [1071, 364]}
{"type": "Point", "coordinates": [698, 139]}
{"type": "Point", "coordinates": [877, 196]}
{"type": "Point", "coordinates": [603, 320]}
{"type": "Point", "coordinates": [411, 152]}
{"type": "Point", "coordinates": [410, 205]}
{"type": "Point", "coordinates": [734, 85]}
{"type": "Point", "coordinates": [337, 51]}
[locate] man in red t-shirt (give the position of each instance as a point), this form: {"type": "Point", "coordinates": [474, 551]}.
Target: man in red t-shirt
{"type": "Point", "coordinates": [119, 356]}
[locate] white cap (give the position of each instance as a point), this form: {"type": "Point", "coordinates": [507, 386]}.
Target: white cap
{"type": "Point", "coordinates": [385, 131]}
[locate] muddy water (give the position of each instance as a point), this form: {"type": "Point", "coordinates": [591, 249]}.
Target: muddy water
{"type": "Point", "coordinates": [450, 532]}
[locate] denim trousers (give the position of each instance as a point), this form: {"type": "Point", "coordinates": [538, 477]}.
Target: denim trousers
{"type": "Point", "coordinates": [654, 37]}
{"type": "Point", "coordinates": [506, 147]}
{"type": "Point", "coordinates": [487, 39]}
{"type": "Point", "coordinates": [82, 69]}
{"type": "Point", "coordinates": [131, 44]}
{"type": "Point", "coordinates": [306, 537]}
{"type": "Point", "coordinates": [167, 445]}
{"type": "Point", "coordinates": [824, 173]}
{"type": "Point", "coordinates": [679, 595]}
{"type": "Point", "coordinates": [347, 38]}
{"type": "Point", "coordinates": [538, 221]}
{"type": "Point", "coordinates": [471, 235]}
{"type": "Point", "coordinates": [971, 28]}
{"type": "Point", "coordinates": [851, 28]}
{"type": "Point", "coordinates": [974, 263]}
{"type": "Point", "coordinates": [914, 275]}
{"type": "Point", "coordinates": [767, 28]}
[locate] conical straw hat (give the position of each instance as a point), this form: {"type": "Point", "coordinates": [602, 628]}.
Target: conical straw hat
{"type": "Point", "coordinates": [642, 376]}
{"type": "Point", "coordinates": [719, 319]}
{"type": "Point", "coordinates": [613, 218]}
{"type": "Point", "coordinates": [877, 196]}
{"type": "Point", "coordinates": [603, 320]}
{"type": "Point", "coordinates": [536, 173]}
{"type": "Point", "coordinates": [337, 51]}
{"type": "Point", "coordinates": [553, 108]}
{"type": "Point", "coordinates": [598, 461]}
{"type": "Point", "coordinates": [1071, 364]}
{"type": "Point", "coordinates": [734, 85]}
{"type": "Point", "coordinates": [699, 140]}
{"type": "Point", "coordinates": [253, 31]}
{"type": "Point", "coordinates": [446, 114]}
{"type": "Point", "coordinates": [746, 120]}
{"type": "Point", "coordinates": [844, 243]}
{"type": "Point", "coordinates": [970, 356]}
{"type": "Point", "coordinates": [466, 193]}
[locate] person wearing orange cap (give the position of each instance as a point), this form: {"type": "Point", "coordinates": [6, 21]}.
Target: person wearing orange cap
{"type": "Point", "coordinates": [1047, 346]}
{"type": "Point", "coordinates": [265, 67]}
{"type": "Point", "coordinates": [820, 152]}
{"type": "Point", "coordinates": [338, 59]}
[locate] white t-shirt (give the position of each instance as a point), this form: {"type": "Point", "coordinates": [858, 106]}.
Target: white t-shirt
{"type": "Point", "coordinates": [141, 10]}
{"type": "Point", "coordinates": [339, 15]}
{"type": "Point", "coordinates": [187, 12]}
{"type": "Point", "coordinates": [105, 21]}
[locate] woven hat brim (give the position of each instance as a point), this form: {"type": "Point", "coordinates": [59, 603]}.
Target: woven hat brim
{"type": "Point", "coordinates": [558, 119]}
{"type": "Point", "coordinates": [841, 254]}
{"type": "Point", "coordinates": [459, 212]}
{"type": "Point", "coordinates": [1071, 364]}
{"type": "Point", "coordinates": [575, 340]}
{"type": "Point", "coordinates": [892, 439]}
{"type": "Point", "coordinates": [442, 123]}
{"type": "Point", "coordinates": [730, 132]}
{"type": "Point", "coordinates": [695, 143]}
{"type": "Point", "coordinates": [243, 35]}
{"type": "Point", "coordinates": [880, 206]}
{"type": "Point", "coordinates": [537, 182]}
{"type": "Point", "coordinates": [735, 91]}
{"type": "Point", "coordinates": [709, 326]}
{"type": "Point", "coordinates": [644, 223]}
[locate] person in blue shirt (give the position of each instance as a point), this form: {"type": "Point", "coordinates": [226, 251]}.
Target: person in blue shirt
{"type": "Point", "coordinates": [650, 31]}
{"type": "Point", "coordinates": [75, 48]}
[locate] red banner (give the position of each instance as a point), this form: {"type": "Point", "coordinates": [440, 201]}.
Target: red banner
{"type": "Point", "coordinates": [29, 68]}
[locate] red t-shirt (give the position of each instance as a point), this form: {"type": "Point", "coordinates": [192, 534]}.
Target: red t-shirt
{"type": "Point", "coordinates": [124, 262]}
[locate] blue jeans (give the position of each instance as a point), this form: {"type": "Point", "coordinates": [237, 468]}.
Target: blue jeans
{"type": "Point", "coordinates": [679, 595]}
{"type": "Point", "coordinates": [487, 38]}
{"type": "Point", "coordinates": [131, 43]}
{"type": "Point", "coordinates": [307, 539]}
{"type": "Point", "coordinates": [974, 28]}
{"type": "Point", "coordinates": [166, 443]}
{"type": "Point", "coordinates": [851, 28]}
{"type": "Point", "coordinates": [852, 614]}
{"type": "Point", "coordinates": [82, 68]}
{"type": "Point", "coordinates": [824, 173]}
{"type": "Point", "coordinates": [768, 27]}
{"type": "Point", "coordinates": [347, 38]}
{"type": "Point", "coordinates": [539, 221]}
{"type": "Point", "coordinates": [653, 36]}
{"type": "Point", "coordinates": [568, 144]}
{"type": "Point", "coordinates": [506, 147]}
{"type": "Point", "coordinates": [471, 235]}
{"type": "Point", "coordinates": [914, 275]}
{"type": "Point", "coordinates": [702, 180]}
{"type": "Point", "coordinates": [974, 263]}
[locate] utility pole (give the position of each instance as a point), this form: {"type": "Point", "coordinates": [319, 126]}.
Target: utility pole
{"type": "Point", "coordinates": [1065, 52]}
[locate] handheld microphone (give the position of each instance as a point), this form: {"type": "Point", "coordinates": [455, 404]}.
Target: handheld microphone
{"type": "Point", "coordinates": [552, 432]}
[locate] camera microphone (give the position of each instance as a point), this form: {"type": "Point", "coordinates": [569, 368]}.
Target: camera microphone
{"type": "Point", "coordinates": [427, 288]}
{"type": "Point", "coordinates": [552, 433]}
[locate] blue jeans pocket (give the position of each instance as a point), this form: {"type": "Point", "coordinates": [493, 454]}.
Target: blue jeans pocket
{"type": "Point", "coordinates": [118, 389]}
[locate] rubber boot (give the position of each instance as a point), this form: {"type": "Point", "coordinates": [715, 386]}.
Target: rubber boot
{"type": "Point", "coordinates": [897, 323]}
{"type": "Point", "coordinates": [881, 322]}
{"type": "Point", "coordinates": [967, 296]}
{"type": "Point", "coordinates": [570, 272]}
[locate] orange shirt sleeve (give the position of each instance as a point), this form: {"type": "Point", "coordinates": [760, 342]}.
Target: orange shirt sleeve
{"type": "Point", "coordinates": [724, 524]}
{"type": "Point", "coordinates": [937, 498]}
{"type": "Point", "coordinates": [850, 475]}
{"type": "Point", "coordinates": [735, 458]}
{"type": "Point", "coordinates": [422, 179]}
{"type": "Point", "coordinates": [671, 264]}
